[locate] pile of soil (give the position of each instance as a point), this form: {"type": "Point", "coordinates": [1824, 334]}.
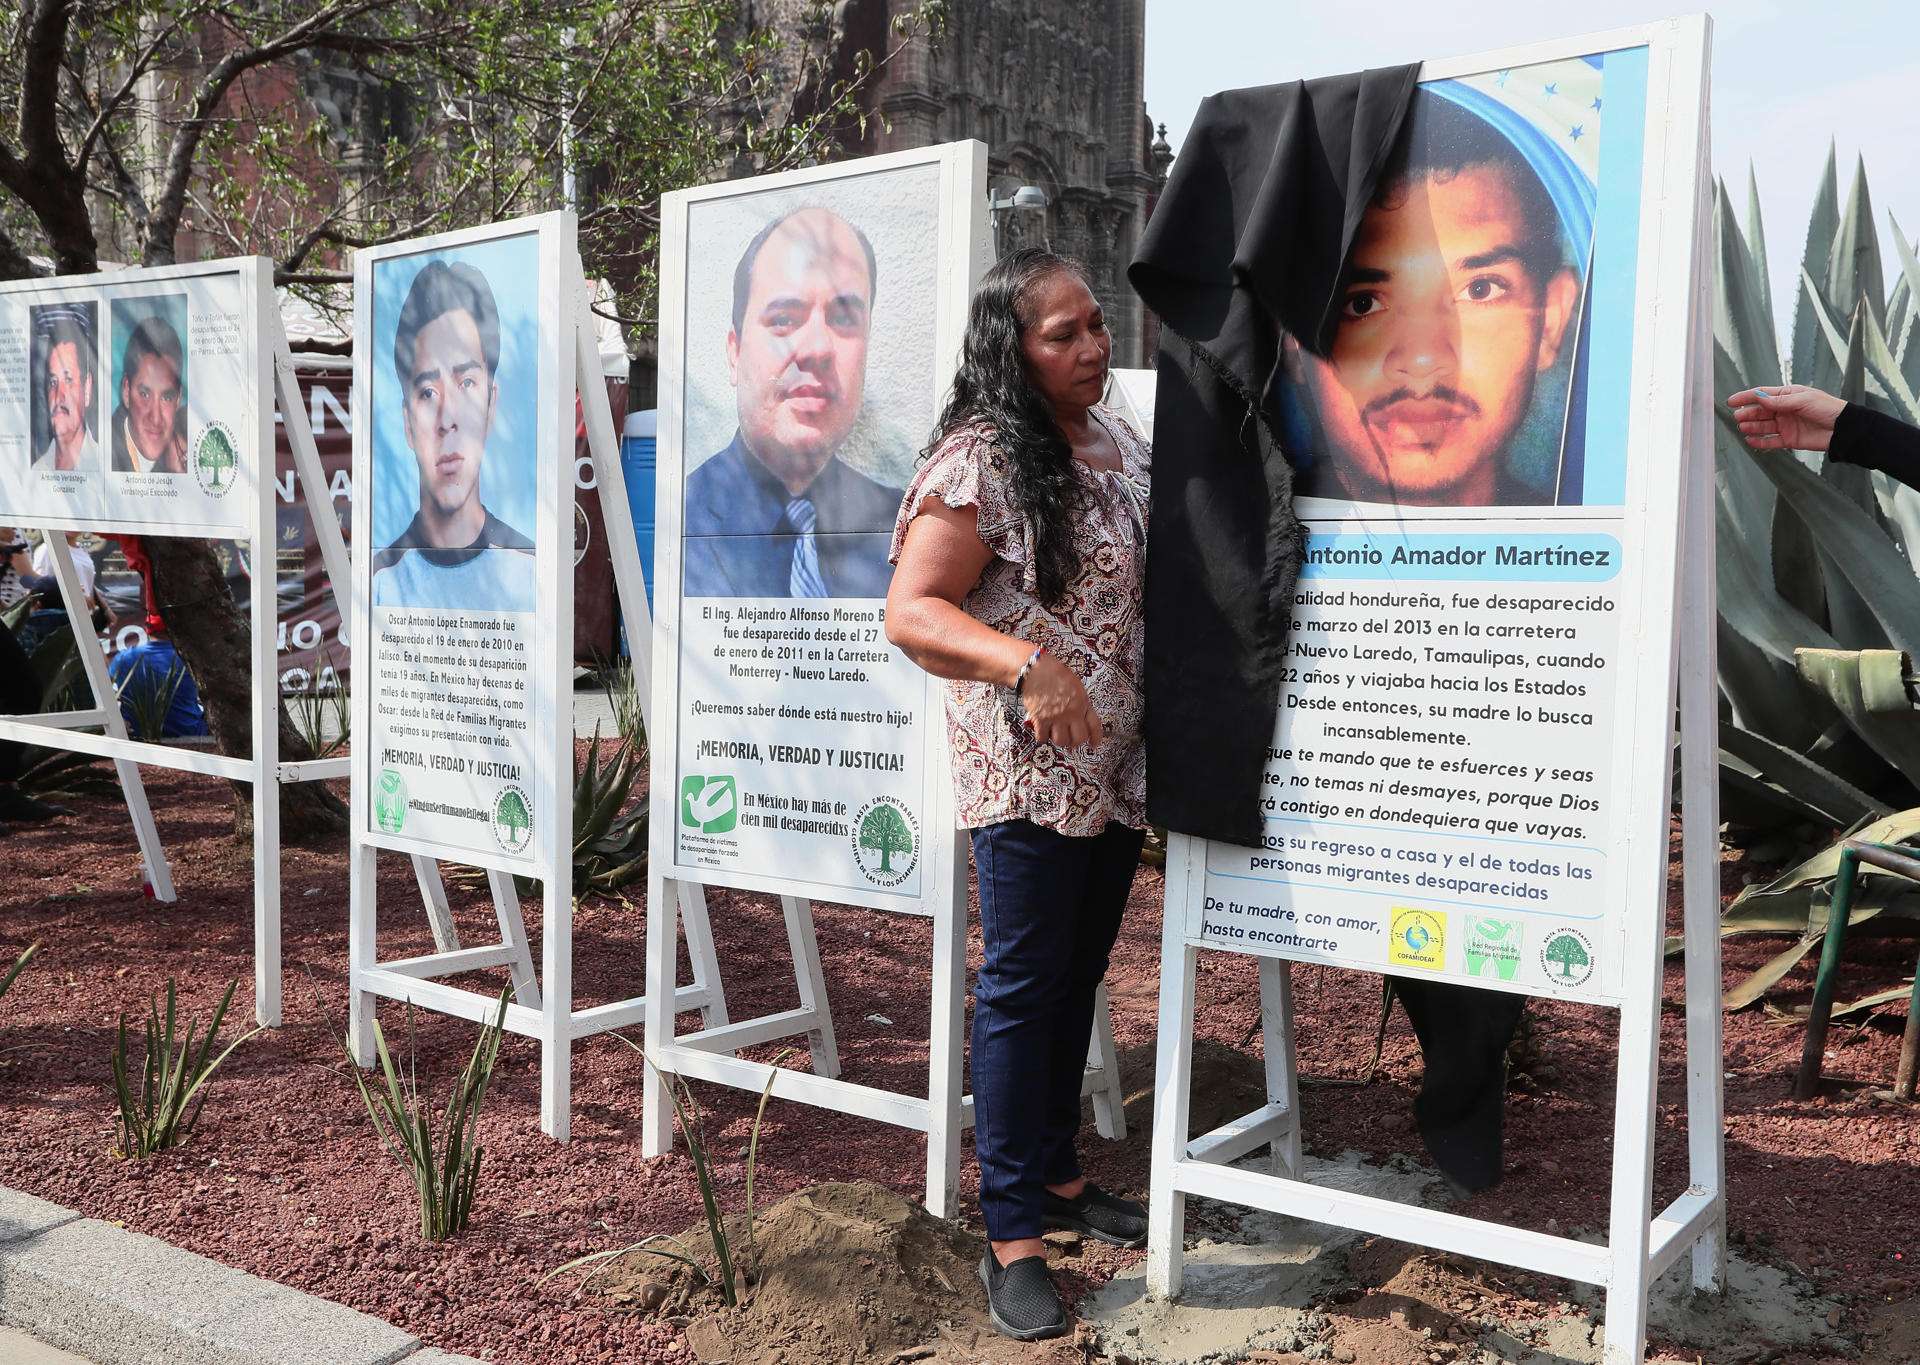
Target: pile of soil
{"type": "Point", "coordinates": [847, 1271]}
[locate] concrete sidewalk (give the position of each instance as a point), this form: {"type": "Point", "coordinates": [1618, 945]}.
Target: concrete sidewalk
{"type": "Point", "coordinates": [73, 1284]}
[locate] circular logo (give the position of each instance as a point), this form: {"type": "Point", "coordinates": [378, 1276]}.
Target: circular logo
{"type": "Point", "coordinates": [1418, 938]}
{"type": "Point", "coordinates": [582, 534]}
{"type": "Point", "coordinates": [1567, 958]}
{"type": "Point", "coordinates": [512, 819]}
{"type": "Point", "coordinates": [216, 455]}
{"type": "Point", "coordinates": [390, 801]}
{"type": "Point", "coordinates": [886, 841]}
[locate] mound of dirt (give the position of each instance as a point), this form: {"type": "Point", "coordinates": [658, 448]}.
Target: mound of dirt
{"type": "Point", "coordinates": [839, 1272]}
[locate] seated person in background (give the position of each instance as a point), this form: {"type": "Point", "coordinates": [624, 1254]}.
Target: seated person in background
{"type": "Point", "coordinates": [153, 682]}
{"type": "Point", "coordinates": [151, 673]}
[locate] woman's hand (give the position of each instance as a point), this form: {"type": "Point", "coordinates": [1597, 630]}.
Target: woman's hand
{"type": "Point", "coordinates": [1786, 417]}
{"type": "Point", "coordinates": [1059, 711]}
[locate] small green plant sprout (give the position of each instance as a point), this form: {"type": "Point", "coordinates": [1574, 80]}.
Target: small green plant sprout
{"type": "Point", "coordinates": [19, 965]}
{"type": "Point", "coordinates": [147, 700]}
{"type": "Point", "coordinates": [623, 695]}
{"type": "Point", "coordinates": [730, 1280]}
{"type": "Point", "coordinates": [172, 1079]}
{"type": "Point", "coordinates": [446, 1168]}
{"type": "Point", "coordinates": [322, 709]}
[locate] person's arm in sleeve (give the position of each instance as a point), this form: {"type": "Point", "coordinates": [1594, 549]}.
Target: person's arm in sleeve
{"type": "Point", "coordinates": [1796, 417]}
{"type": "Point", "coordinates": [1864, 437]}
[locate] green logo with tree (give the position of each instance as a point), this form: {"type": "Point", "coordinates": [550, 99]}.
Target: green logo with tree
{"type": "Point", "coordinates": [390, 801]}
{"type": "Point", "coordinates": [1567, 957]}
{"type": "Point", "coordinates": [512, 819]}
{"type": "Point", "coordinates": [214, 457]}
{"type": "Point", "coordinates": [886, 841]}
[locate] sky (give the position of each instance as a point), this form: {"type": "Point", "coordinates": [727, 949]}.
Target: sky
{"type": "Point", "coordinates": [1784, 83]}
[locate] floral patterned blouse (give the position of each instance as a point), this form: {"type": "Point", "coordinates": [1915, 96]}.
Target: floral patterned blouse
{"type": "Point", "coordinates": [1000, 772]}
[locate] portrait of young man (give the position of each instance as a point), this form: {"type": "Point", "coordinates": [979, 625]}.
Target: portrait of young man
{"type": "Point", "coordinates": [454, 553]}
{"type": "Point", "coordinates": [65, 394]}
{"type": "Point", "coordinates": [778, 512]}
{"type": "Point", "coordinates": [150, 423]}
{"type": "Point", "coordinates": [1459, 297]}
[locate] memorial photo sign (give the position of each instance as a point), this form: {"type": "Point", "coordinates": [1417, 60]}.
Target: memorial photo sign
{"type": "Point", "coordinates": [130, 400]}
{"type": "Point", "coordinates": [463, 448]}
{"type": "Point", "coordinates": [806, 375]}
{"type": "Point", "coordinates": [1442, 790]}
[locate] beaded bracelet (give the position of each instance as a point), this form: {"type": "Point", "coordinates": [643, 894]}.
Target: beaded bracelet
{"type": "Point", "coordinates": [1020, 678]}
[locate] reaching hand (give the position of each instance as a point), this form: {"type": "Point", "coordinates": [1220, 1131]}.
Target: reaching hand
{"type": "Point", "coordinates": [1058, 709]}
{"type": "Point", "coordinates": [1786, 417]}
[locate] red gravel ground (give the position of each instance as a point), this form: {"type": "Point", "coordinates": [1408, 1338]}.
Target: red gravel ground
{"type": "Point", "coordinates": [283, 1178]}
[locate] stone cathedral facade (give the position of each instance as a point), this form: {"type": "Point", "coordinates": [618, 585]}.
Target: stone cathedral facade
{"type": "Point", "coordinates": [1055, 88]}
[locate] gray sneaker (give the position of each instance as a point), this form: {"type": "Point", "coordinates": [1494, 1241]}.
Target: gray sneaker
{"type": "Point", "coordinates": [1021, 1298]}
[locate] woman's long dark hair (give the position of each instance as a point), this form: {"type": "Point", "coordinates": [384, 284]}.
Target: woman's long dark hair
{"type": "Point", "coordinates": [992, 388]}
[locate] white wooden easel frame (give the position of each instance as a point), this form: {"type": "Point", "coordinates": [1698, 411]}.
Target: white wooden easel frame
{"type": "Point", "coordinates": [710, 1054]}
{"type": "Point", "coordinates": [1674, 394]}
{"type": "Point", "coordinates": [273, 377]}
{"type": "Point", "coordinates": [542, 1006]}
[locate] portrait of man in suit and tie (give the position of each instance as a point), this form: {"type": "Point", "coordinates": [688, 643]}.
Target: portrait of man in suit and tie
{"type": "Point", "coordinates": [779, 512]}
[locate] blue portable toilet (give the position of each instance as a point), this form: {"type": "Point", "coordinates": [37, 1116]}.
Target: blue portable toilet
{"type": "Point", "coordinates": [637, 461]}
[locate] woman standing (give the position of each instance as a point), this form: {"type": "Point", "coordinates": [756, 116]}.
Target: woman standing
{"type": "Point", "coordinates": [1021, 547]}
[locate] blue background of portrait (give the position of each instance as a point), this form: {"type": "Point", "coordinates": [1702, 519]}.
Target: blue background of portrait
{"type": "Point", "coordinates": [509, 475]}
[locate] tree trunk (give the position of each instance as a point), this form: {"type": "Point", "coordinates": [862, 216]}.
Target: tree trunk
{"type": "Point", "coordinates": [212, 636]}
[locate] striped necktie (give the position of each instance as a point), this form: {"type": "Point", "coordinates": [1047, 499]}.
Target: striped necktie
{"type": "Point", "coordinates": [804, 578]}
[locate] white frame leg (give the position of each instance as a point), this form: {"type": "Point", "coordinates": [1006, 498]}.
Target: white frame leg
{"type": "Point", "coordinates": [663, 931]}
{"type": "Point", "coordinates": [1102, 1079]}
{"type": "Point", "coordinates": [107, 701]}
{"type": "Point", "coordinates": [1173, 1080]}
{"type": "Point", "coordinates": [946, 1053]}
{"type": "Point", "coordinates": [701, 954]}
{"type": "Point", "coordinates": [823, 1050]}
{"type": "Point", "coordinates": [433, 894]}
{"type": "Point", "coordinates": [1282, 1074]}
{"type": "Point", "coordinates": [513, 935]}
{"type": "Point", "coordinates": [1700, 824]}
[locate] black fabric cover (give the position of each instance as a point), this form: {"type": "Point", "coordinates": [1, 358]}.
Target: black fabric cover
{"type": "Point", "coordinates": [1245, 245]}
{"type": "Point", "coordinates": [1864, 437]}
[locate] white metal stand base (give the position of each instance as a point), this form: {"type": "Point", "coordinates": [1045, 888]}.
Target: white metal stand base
{"type": "Point", "coordinates": [542, 1005]}
{"type": "Point", "coordinates": [710, 1054]}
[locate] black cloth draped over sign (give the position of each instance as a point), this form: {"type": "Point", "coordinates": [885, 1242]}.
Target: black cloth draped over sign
{"type": "Point", "coordinates": [1246, 246]}
{"type": "Point", "coordinates": [1246, 243]}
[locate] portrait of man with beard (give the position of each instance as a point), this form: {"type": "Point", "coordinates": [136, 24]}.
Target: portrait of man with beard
{"type": "Point", "coordinates": [1460, 296]}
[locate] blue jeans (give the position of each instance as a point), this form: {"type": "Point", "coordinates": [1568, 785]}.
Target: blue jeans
{"type": "Point", "coordinates": [1050, 908]}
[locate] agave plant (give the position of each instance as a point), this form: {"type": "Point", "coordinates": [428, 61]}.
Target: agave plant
{"type": "Point", "coordinates": [609, 841]}
{"type": "Point", "coordinates": [1818, 594]}
{"type": "Point", "coordinates": [1814, 554]}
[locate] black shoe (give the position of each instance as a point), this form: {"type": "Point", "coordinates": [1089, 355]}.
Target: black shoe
{"type": "Point", "coordinates": [16, 806]}
{"type": "Point", "coordinates": [1107, 1217]}
{"type": "Point", "coordinates": [1021, 1298]}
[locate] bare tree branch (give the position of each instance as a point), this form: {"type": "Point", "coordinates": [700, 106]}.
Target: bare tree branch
{"type": "Point", "coordinates": [164, 223]}
{"type": "Point", "coordinates": [142, 61]}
